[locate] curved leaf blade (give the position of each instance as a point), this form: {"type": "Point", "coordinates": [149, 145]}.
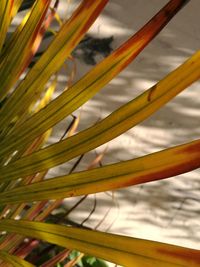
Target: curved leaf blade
{"type": "Point", "coordinates": [121, 250]}
{"type": "Point", "coordinates": [14, 260]}
{"type": "Point", "coordinates": [91, 83]}
{"type": "Point", "coordinates": [51, 60]}
{"type": "Point", "coordinates": [159, 165]}
{"type": "Point", "coordinates": [5, 18]}
{"type": "Point", "coordinates": [16, 6]}
{"type": "Point", "coordinates": [14, 61]}
{"type": "Point", "coordinates": [115, 124]}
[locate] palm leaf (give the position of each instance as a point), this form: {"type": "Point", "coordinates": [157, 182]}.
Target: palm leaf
{"type": "Point", "coordinates": [51, 61]}
{"type": "Point", "coordinates": [27, 118]}
{"type": "Point", "coordinates": [89, 85]}
{"type": "Point", "coordinates": [5, 19]}
{"type": "Point", "coordinates": [122, 250]}
{"type": "Point", "coordinates": [118, 122]}
{"type": "Point", "coordinates": [149, 168]}
{"type": "Point", "coordinates": [14, 260]}
{"type": "Point", "coordinates": [21, 52]}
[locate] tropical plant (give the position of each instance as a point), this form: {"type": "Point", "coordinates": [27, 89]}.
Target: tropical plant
{"type": "Point", "coordinates": [28, 114]}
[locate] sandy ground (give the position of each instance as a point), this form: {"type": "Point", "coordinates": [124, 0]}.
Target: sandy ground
{"type": "Point", "coordinates": [167, 210]}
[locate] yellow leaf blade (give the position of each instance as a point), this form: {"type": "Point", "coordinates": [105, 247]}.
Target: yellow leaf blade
{"type": "Point", "coordinates": [118, 122]}
{"type": "Point", "coordinates": [121, 250]}
{"type": "Point", "coordinates": [90, 84]}
{"type": "Point", "coordinates": [18, 56]}
{"type": "Point", "coordinates": [16, 6]}
{"type": "Point", "coordinates": [5, 18]}
{"type": "Point", "coordinates": [160, 165]}
{"type": "Point", "coordinates": [14, 260]}
{"type": "Point", "coordinates": [51, 60]}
